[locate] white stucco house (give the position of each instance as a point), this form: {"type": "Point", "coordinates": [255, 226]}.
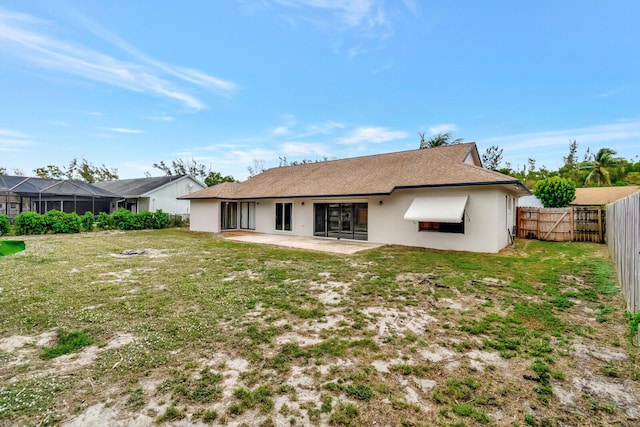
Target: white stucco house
{"type": "Point", "coordinates": [439, 198]}
{"type": "Point", "coordinates": [153, 193]}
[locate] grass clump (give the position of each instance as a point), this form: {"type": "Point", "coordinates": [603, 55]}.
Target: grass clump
{"type": "Point", "coordinates": [170, 414]}
{"type": "Point", "coordinates": [68, 342]}
{"type": "Point", "coordinates": [344, 414]}
{"type": "Point", "coordinates": [251, 399]}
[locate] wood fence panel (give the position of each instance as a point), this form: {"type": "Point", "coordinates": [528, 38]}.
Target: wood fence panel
{"type": "Point", "coordinates": [562, 224]}
{"type": "Point", "coordinates": [623, 239]}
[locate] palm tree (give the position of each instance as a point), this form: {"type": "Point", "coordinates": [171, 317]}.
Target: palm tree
{"type": "Point", "coordinates": [599, 167]}
{"type": "Point", "coordinates": [438, 140]}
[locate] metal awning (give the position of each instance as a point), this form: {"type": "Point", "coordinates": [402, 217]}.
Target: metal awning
{"type": "Point", "coordinates": [437, 209]}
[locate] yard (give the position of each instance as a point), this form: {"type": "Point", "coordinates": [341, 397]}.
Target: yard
{"type": "Point", "coordinates": [183, 328]}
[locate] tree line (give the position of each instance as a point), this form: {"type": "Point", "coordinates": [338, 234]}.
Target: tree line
{"type": "Point", "coordinates": [601, 168]}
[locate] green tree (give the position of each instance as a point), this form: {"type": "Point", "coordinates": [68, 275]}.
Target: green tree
{"type": "Point", "coordinates": [555, 192]}
{"type": "Point", "coordinates": [492, 158]}
{"type": "Point", "coordinates": [49, 171]}
{"type": "Point", "coordinates": [79, 171]}
{"type": "Point", "coordinates": [600, 167]}
{"type": "Point", "coordinates": [215, 178]}
{"type": "Point", "coordinates": [183, 167]}
{"type": "Point", "coordinates": [438, 140]}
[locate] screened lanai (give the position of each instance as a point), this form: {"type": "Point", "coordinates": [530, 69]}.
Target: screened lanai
{"type": "Point", "coordinates": [26, 194]}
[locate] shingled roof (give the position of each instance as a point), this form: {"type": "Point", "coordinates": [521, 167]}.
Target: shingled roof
{"type": "Point", "coordinates": [137, 187]}
{"type": "Point", "coordinates": [597, 196]}
{"type": "Point", "coordinates": [33, 187]}
{"type": "Point", "coordinates": [379, 174]}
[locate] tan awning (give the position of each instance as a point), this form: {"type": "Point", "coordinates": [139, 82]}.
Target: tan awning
{"type": "Point", "coordinates": [437, 209]}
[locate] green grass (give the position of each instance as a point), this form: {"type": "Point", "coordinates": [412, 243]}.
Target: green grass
{"type": "Point", "coordinates": [68, 342]}
{"type": "Point", "coordinates": [222, 331]}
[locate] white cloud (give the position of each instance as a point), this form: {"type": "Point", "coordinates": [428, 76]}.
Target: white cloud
{"type": "Point", "coordinates": [442, 128]}
{"type": "Point", "coordinates": [162, 118]}
{"type": "Point", "coordinates": [13, 141]}
{"type": "Point", "coordinates": [11, 133]}
{"type": "Point", "coordinates": [125, 130]}
{"type": "Point", "coordinates": [304, 149]}
{"type": "Point", "coordinates": [548, 147]}
{"type": "Point", "coordinates": [30, 39]}
{"type": "Point", "coordinates": [280, 130]}
{"type": "Point", "coordinates": [372, 134]}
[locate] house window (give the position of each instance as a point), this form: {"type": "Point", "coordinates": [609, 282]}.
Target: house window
{"type": "Point", "coordinates": [442, 227]}
{"type": "Point", "coordinates": [284, 213]}
{"type": "Point", "coordinates": [248, 215]}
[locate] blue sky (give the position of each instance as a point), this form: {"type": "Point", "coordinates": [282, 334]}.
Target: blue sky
{"type": "Point", "coordinates": [130, 83]}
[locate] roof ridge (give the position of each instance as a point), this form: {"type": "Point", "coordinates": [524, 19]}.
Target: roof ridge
{"type": "Point", "coordinates": [373, 155]}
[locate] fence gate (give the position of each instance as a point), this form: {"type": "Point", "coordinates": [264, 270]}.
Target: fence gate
{"type": "Point", "coordinates": [561, 224]}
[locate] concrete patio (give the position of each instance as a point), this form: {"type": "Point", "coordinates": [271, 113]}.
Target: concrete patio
{"type": "Point", "coordinates": [300, 242]}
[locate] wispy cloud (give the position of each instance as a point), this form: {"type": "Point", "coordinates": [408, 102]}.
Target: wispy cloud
{"type": "Point", "coordinates": [442, 128]}
{"type": "Point", "coordinates": [550, 146]}
{"type": "Point", "coordinates": [33, 41]}
{"type": "Point", "coordinates": [13, 141]}
{"type": "Point", "coordinates": [304, 149]}
{"type": "Point", "coordinates": [365, 20]}
{"type": "Point", "coordinates": [372, 134]}
{"type": "Point", "coordinates": [162, 118]}
{"type": "Point", "coordinates": [125, 130]}
{"type": "Point", "coordinates": [611, 93]}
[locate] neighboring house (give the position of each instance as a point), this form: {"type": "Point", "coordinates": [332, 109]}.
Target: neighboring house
{"type": "Point", "coordinates": [153, 193]}
{"type": "Point", "coordinates": [600, 196]}
{"type": "Point", "coordinates": [530, 202]}
{"type": "Point", "coordinates": [438, 198]}
{"type": "Point", "coordinates": [26, 194]}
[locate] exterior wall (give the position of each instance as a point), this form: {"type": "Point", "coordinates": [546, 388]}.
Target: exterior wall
{"type": "Point", "coordinates": [485, 226]}
{"type": "Point", "coordinates": [165, 198]}
{"type": "Point", "coordinates": [205, 216]}
{"type": "Point", "coordinates": [486, 219]}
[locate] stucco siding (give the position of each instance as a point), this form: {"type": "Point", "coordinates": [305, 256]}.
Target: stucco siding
{"type": "Point", "coordinates": [165, 198]}
{"type": "Point", "coordinates": [205, 216]}
{"type": "Point", "coordinates": [486, 218]}
{"type": "Point", "coordinates": [482, 223]}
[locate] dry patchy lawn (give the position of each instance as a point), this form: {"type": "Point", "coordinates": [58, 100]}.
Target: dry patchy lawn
{"type": "Point", "coordinates": [186, 329]}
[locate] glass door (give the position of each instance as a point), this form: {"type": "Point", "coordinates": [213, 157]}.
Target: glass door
{"type": "Point", "coordinates": [341, 220]}
{"type": "Point", "coordinates": [229, 215]}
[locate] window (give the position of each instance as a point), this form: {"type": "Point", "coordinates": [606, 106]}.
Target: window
{"type": "Point", "coordinates": [442, 227]}
{"type": "Point", "coordinates": [283, 216]}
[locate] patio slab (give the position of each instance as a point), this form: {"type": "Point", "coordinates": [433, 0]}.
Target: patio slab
{"type": "Point", "coordinates": [301, 242]}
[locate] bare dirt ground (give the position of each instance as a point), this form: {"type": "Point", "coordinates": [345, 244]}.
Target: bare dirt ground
{"type": "Point", "coordinates": [420, 355]}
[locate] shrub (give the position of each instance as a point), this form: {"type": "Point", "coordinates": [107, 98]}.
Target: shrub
{"type": "Point", "coordinates": [145, 218]}
{"type": "Point", "coordinates": [555, 192]}
{"type": "Point", "coordinates": [30, 223]}
{"type": "Point", "coordinates": [72, 222]}
{"type": "Point", "coordinates": [87, 221]}
{"type": "Point", "coordinates": [159, 219]}
{"type": "Point", "coordinates": [54, 221]}
{"type": "Point", "coordinates": [104, 221]}
{"type": "Point", "coordinates": [124, 219]}
{"type": "Point", "coordinates": [4, 225]}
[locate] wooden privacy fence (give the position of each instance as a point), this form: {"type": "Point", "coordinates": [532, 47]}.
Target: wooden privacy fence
{"type": "Point", "coordinates": [623, 239]}
{"type": "Point", "coordinates": [562, 224]}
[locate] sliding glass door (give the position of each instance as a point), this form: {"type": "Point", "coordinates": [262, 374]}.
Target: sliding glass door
{"type": "Point", "coordinates": [248, 215]}
{"type": "Point", "coordinates": [341, 220]}
{"type": "Point", "coordinates": [228, 215]}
